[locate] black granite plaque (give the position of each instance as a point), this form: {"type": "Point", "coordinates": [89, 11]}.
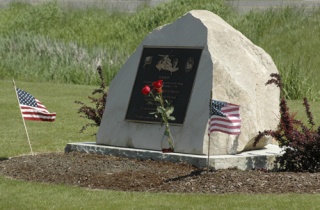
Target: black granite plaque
{"type": "Point", "coordinates": [177, 67]}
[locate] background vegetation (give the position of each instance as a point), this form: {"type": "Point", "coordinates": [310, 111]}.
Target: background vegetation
{"type": "Point", "coordinates": [49, 43]}
{"type": "Point", "coordinates": [52, 52]}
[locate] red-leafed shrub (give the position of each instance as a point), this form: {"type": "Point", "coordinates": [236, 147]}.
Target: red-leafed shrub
{"type": "Point", "coordinates": [95, 113]}
{"type": "Point", "coordinates": [301, 143]}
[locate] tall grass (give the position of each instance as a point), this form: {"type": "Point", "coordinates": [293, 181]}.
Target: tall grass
{"type": "Point", "coordinates": [36, 58]}
{"type": "Point", "coordinates": [47, 42]}
{"type": "Point", "coordinates": [290, 36]}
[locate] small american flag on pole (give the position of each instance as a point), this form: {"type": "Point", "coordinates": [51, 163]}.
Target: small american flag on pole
{"type": "Point", "coordinates": [224, 117]}
{"type": "Point", "coordinates": [32, 108]}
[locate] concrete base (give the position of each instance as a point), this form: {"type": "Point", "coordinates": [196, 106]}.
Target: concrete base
{"type": "Point", "coordinates": [256, 159]}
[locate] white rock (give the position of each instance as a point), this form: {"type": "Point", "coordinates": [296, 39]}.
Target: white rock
{"type": "Point", "coordinates": [231, 66]}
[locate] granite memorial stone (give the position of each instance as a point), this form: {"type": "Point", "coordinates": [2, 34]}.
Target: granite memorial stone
{"type": "Point", "coordinates": [196, 54]}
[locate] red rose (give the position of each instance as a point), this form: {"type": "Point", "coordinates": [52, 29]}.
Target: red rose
{"type": "Point", "coordinates": [157, 84]}
{"type": "Point", "coordinates": [159, 90]}
{"type": "Point", "coordinates": [145, 90]}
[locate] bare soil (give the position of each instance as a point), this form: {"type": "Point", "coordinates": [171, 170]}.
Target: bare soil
{"type": "Point", "coordinates": [122, 174]}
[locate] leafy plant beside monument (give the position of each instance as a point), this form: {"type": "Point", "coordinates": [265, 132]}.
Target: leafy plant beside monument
{"type": "Point", "coordinates": [301, 143]}
{"type": "Point", "coordinates": [163, 112]}
{"type": "Point", "coordinates": [95, 113]}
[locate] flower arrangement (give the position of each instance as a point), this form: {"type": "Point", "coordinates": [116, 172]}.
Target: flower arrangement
{"type": "Point", "coordinates": [163, 112]}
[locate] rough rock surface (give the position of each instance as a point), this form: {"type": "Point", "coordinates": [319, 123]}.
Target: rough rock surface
{"type": "Point", "coordinates": [113, 173]}
{"type": "Point", "coordinates": [231, 66]}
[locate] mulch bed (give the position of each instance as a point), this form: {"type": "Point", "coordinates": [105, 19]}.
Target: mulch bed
{"type": "Point", "coordinates": [123, 174]}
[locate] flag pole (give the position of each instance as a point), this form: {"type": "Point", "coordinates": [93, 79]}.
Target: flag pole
{"type": "Point", "coordinates": [24, 123]}
{"type": "Point", "coordinates": [210, 108]}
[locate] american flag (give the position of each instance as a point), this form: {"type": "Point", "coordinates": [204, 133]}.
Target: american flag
{"type": "Point", "coordinates": [32, 108]}
{"type": "Point", "coordinates": [224, 117]}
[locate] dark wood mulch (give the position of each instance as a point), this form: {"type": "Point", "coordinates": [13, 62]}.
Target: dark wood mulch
{"type": "Point", "coordinates": [115, 173]}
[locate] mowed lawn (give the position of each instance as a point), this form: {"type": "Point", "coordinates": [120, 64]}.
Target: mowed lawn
{"type": "Point", "coordinates": [44, 136]}
{"type": "Point", "coordinates": [52, 137]}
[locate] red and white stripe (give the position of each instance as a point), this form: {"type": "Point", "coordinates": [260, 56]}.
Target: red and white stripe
{"type": "Point", "coordinates": [230, 124]}
{"type": "Point", "coordinates": [39, 113]}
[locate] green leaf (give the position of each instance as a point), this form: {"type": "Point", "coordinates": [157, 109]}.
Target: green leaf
{"type": "Point", "coordinates": [157, 98]}
{"type": "Point", "coordinates": [169, 110]}
{"type": "Point", "coordinates": [171, 118]}
{"type": "Point", "coordinates": [161, 110]}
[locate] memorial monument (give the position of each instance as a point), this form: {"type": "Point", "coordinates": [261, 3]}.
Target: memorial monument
{"type": "Point", "coordinates": [197, 54]}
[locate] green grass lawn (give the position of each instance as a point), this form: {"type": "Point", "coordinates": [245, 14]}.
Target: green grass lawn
{"type": "Point", "coordinates": [44, 136]}
{"type": "Point", "coordinates": [53, 137]}
{"type": "Point", "coordinates": [24, 195]}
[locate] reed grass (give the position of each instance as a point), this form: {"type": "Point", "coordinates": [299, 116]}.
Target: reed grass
{"type": "Point", "coordinates": [35, 58]}
{"type": "Point", "coordinates": [47, 42]}
{"type": "Point", "coordinates": [290, 36]}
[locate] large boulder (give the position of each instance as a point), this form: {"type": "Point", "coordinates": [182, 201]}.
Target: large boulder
{"type": "Point", "coordinates": [231, 66]}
